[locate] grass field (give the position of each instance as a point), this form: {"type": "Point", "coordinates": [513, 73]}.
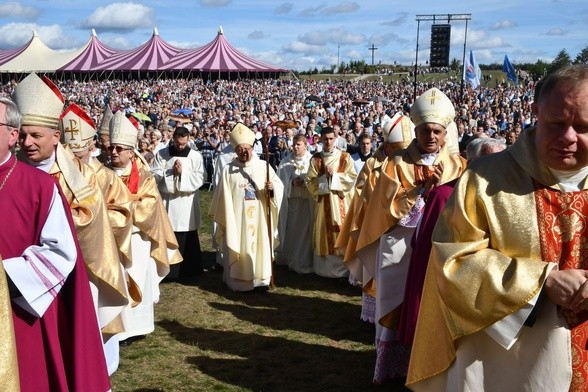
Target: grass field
{"type": "Point", "coordinates": [304, 335]}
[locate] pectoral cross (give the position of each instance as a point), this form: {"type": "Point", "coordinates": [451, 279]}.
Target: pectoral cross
{"type": "Point", "coordinates": [72, 129]}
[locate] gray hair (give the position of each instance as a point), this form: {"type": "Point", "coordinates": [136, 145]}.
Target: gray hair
{"type": "Point", "coordinates": [13, 116]}
{"type": "Point", "coordinates": [483, 146]}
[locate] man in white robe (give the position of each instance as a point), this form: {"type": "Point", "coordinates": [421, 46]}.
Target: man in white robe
{"type": "Point", "coordinates": [240, 206]}
{"type": "Point", "coordinates": [331, 178]}
{"type": "Point", "coordinates": [295, 226]}
{"type": "Point", "coordinates": [179, 172]}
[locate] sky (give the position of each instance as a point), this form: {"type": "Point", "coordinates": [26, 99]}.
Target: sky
{"type": "Point", "coordinates": [305, 34]}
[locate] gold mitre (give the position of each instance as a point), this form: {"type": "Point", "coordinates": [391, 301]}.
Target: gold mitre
{"type": "Point", "coordinates": [77, 128]}
{"type": "Point", "coordinates": [398, 129]}
{"type": "Point", "coordinates": [104, 128]}
{"type": "Point", "coordinates": [242, 135]}
{"type": "Point", "coordinates": [432, 107]}
{"type": "Point", "coordinates": [122, 130]}
{"type": "Point", "coordinates": [39, 100]}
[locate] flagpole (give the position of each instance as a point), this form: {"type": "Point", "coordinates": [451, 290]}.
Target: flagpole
{"type": "Point", "coordinates": [465, 38]}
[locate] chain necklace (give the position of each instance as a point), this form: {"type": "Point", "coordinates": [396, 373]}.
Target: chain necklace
{"type": "Point", "coordinates": [9, 173]}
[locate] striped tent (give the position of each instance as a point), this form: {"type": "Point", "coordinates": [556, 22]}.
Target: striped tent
{"type": "Point", "coordinates": [218, 56]}
{"type": "Point", "coordinates": [95, 53]}
{"type": "Point", "coordinates": [150, 56]}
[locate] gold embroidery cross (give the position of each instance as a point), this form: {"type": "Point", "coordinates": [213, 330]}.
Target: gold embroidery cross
{"type": "Point", "coordinates": [73, 129]}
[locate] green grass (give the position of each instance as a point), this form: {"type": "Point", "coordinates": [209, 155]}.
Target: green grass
{"type": "Point", "coordinates": [304, 335]}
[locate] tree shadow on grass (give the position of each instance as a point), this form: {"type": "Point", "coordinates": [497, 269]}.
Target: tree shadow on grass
{"type": "Point", "coordinates": [298, 367]}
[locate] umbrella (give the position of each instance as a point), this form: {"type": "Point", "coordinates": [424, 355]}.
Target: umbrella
{"type": "Point", "coordinates": [141, 116]}
{"type": "Point", "coordinates": [285, 124]}
{"type": "Point", "coordinates": [185, 111]}
{"type": "Point", "coordinates": [360, 102]}
{"type": "Point", "coordinates": [314, 98]}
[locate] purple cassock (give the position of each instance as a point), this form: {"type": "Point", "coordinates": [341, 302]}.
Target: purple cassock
{"type": "Point", "coordinates": [421, 249]}
{"type": "Point", "coordinates": [62, 349]}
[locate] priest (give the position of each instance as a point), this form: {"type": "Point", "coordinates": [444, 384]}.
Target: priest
{"type": "Point", "coordinates": [245, 206]}
{"type": "Point", "coordinates": [504, 304]}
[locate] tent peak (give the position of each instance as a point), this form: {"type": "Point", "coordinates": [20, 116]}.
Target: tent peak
{"type": "Point", "coordinates": [35, 33]}
{"type": "Point", "coordinates": [155, 32]}
{"type": "Point", "coordinates": [93, 33]}
{"type": "Point", "coordinates": [220, 30]}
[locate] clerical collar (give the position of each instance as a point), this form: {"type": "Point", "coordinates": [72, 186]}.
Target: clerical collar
{"type": "Point", "coordinates": [429, 159]}
{"type": "Point", "coordinates": [328, 153]}
{"type": "Point", "coordinates": [570, 181]}
{"type": "Point", "coordinates": [6, 160]}
{"type": "Point", "coordinates": [121, 171]}
{"type": "Point", "coordinates": [44, 165]}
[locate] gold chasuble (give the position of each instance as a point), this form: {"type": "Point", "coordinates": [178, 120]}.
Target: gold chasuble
{"type": "Point", "coordinates": [402, 177]}
{"type": "Point", "coordinates": [346, 241]}
{"type": "Point", "coordinates": [331, 204]}
{"type": "Point", "coordinates": [506, 220]}
{"type": "Point", "coordinates": [151, 218]}
{"type": "Point", "coordinates": [90, 217]}
{"type": "Point", "coordinates": [9, 364]}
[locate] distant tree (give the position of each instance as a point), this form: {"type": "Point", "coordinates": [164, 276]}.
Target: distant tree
{"type": "Point", "coordinates": [455, 65]}
{"type": "Point", "coordinates": [561, 60]}
{"type": "Point", "coordinates": [582, 57]}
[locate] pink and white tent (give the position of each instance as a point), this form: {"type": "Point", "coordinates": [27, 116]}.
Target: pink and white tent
{"type": "Point", "coordinates": [218, 56]}
{"type": "Point", "coordinates": [95, 53]}
{"type": "Point", "coordinates": [148, 57]}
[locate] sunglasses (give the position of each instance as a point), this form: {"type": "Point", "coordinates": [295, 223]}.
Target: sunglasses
{"type": "Point", "coordinates": [118, 149]}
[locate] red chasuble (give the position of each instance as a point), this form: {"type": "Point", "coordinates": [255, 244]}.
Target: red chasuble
{"type": "Point", "coordinates": [563, 233]}
{"type": "Point", "coordinates": [62, 350]}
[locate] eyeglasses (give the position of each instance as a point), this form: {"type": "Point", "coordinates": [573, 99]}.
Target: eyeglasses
{"type": "Point", "coordinates": [118, 149]}
{"type": "Point", "coordinates": [8, 125]}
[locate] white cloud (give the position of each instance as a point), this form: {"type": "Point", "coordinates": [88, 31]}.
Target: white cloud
{"type": "Point", "coordinates": [120, 17]}
{"type": "Point", "coordinates": [380, 39]}
{"type": "Point", "coordinates": [257, 34]}
{"type": "Point", "coordinates": [215, 3]}
{"type": "Point", "coordinates": [13, 35]}
{"type": "Point", "coordinates": [118, 42]}
{"type": "Point", "coordinates": [504, 24]}
{"type": "Point", "coordinates": [302, 47]}
{"type": "Point", "coordinates": [311, 11]}
{"type": "Point", "coordinates": [400, 19]}
{"type": "Point", "coordinates": [16, 10]}
{"type": "Point", "coordinates": [343, 8]}
{"type": "Point", "coordinates": [556, 32]}
{"type": "Point", "coordinates": [333, 36]}
{"type": "Point", "coordinates": [284, 8]}
{"type": "Point", "coordinates": [323, 10]}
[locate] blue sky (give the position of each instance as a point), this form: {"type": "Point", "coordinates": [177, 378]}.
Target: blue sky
{"type": "Point", "coordinates": [305, 34]}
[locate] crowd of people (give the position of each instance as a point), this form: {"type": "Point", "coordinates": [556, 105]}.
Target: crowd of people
{"type": "Point", "coordinates": [344, 179]}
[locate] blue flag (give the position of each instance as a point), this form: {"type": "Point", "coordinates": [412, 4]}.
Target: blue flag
{"type": "Point", "coordinates": [509, 70]}
{"type": "Point", "coordinates": [471, 71]}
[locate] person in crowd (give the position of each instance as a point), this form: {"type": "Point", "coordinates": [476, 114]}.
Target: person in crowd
{"type": "Point", "coordinates": [364, 152]}
{"type": "Point", "coordinates": [394, 211]}
{"type": "Point", "coordinates": [207, 145]}
{"type": "Point", "coordinates": [154, 246]}
{"type": "Point", "coordinates": [78, 132]}
{"type": "Point", "coordinates": [398, 133]}
{"type": "Point", "coordinates": [41, 105]}
{"type": "Point", "coordinates": [46, 278]}
{"type": "Point", "coordinates": [330, 180]}
{"type": "Point", "coordinates": [505, 293]}
{"type": "Point", "coordinates": [245, 207]}
{"type": "Point", "coordinates": [295, 225]}
{"type": "Point", "coordinates": [179, 172]}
